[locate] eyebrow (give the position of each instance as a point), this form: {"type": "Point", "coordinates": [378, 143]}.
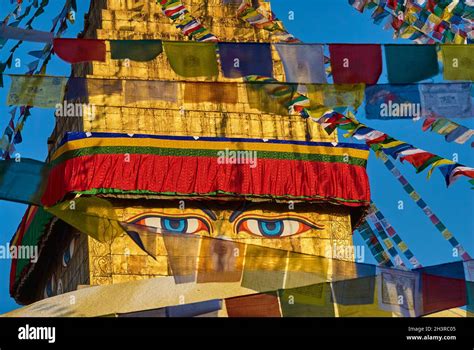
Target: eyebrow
{"type": "Point", "coordinates": [209, 213]}
{"type": "Point", "coordinates": [238, 212]}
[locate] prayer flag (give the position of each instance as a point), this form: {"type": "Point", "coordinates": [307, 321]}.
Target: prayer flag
{"type": "Point", "coordinates": [258, 305]}
{"type": "Point", "coordinates": [79, 50]}
{"type": "Point", "coordinates": [356, 63]}
{"type": "Point", "coordinates": [411, 63]}
{"type": "Point", "coordinates": [191, 59]}
{"type": "Point", "coordinates": [303, 64]}
{"type": "Point", "coordinates": [458, 62]}
{"type": "Point", "coordinates": [23, 180]}
{"type": "Point", "coordinates": [243, 59]}
{"type": "Point", "coordinates": [136, 50]}
{"type": "Point", "coordinates": [198, 92]}
{"type": "Point", "coordinates": [446, 100]}
{"type": "Point", "coordinates": [37, 91]}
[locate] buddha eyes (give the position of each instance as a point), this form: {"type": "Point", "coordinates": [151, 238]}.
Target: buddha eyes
{"type": "Point", "coordinates": [274, 228]}
{"type": "Point", "coordinates": [267, 227]}
{"type": "Point", "coordinates": [175, 225]}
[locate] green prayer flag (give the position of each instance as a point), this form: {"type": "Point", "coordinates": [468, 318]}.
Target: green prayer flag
{"type": "Point", "coordinates": [190, 59]}
{"type": "Point", "coordinates": [411, 63]}
{"type": "Point", "coordinates": [458, 61]}
{"type": "Point", "coordinates": [136, 50]}
{"type": "Point", "coordinates": [308, 301]}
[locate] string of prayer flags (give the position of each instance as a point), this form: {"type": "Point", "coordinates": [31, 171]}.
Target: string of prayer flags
{"type": "Point", "coordinates": [423, 21]}
{"type": "Point", "coordinates": [190, 59]}
{"type": "Point", "coordinates": [458, 62]}
{"type": "Point", "coordinates": [452, 100]}
{"type": "Point", "coordinates": [386, 240]}
{"type": "Point", "coordinates": [379, 219]}
{"type": "Point", "coordinates": [37, 91]}
{"type": "Point", "coordinates": [408, 188]}
{"type": "Point", "coordinates": [374, 245]}
{"type": "Point", "coordinates": [184, 21]}
{"type": "Point", "coordinates": [244, 59]}
{"type": "Point", "coordinates": [303, 64]}
{"type": "Point", "coordinates": [46, 57]}
{"type": "Point", "coordinates": [378, 140]}
{"type": "Point", "coordinates": [450, 130]}
{"type": "Point", "coordinates": [259, 18]}
{"type": "Point", "coordinates": [355, 289]}
{"type": "Point", "coordinates": [80, 50]}
{"type": "Point", "coordinates": [452, 172]}
{"type": "Point", "coordinates": [387, 102]}
{"type": "Point", "coordinates": [411, 63]}
{"type": "Point", "coordinates": [352, 64]}
{"type": "Point", "coordinates": [136, 50]}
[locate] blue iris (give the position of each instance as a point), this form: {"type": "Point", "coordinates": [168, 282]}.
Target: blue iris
{"type": "Point", "coordinates": [175, 225]}
{"type": "Point", "coordinates": [67, 257]}
{"type": "Point", "coordinates": [271, 228]}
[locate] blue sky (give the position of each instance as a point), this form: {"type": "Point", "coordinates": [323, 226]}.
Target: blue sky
{"type": "Point", "coordinates": [316, 21]}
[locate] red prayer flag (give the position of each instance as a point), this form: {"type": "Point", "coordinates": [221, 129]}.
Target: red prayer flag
{"type": "Point", "coordinates": [257, 305]}
{"type": "Point", "coordinates": [80, 50]}
{"type": "Point", "coordinates": [441, 293]}
{"type": "Point", "coordinates": [416, 157]}
{"type": "Point", "coordinates": [352, 64]}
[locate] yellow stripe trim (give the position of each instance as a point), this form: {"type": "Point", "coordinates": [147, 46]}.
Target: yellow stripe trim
{"type": "Point", "coordinates": [214, 145]}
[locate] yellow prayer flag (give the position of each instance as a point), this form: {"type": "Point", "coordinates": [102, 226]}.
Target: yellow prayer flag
{"type": "Point", "coordinates": [190, 59]}
{"type": "Point", "coordinates": [93, 216]}
{"type": "Point", "coordinates": [36, 91]}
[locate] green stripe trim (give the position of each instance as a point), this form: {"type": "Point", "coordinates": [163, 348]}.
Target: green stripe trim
{"type": "Point", "coordinates": [207, 153]}
{"type": "Point", "coordinates": [99, 191]}
{"type": "Point", "coordinates": [32, 236]}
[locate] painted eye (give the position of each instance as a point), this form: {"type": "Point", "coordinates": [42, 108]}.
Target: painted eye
{"type": "Point", "coordinates": [50, 287]}
{"type": "Point", "coordinates": [177, 225]}
{"type": "Point", "coordinates": [69, 253]}
{"type": "Point", "coordinates": [275, 228]}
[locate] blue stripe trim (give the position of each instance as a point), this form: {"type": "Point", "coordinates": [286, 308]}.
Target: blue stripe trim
{"type": "Point", "coordinates": [72, 136]}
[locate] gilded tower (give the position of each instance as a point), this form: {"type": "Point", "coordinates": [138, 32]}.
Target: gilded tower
{"type": "Point", "coordinates": [121, 92]}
